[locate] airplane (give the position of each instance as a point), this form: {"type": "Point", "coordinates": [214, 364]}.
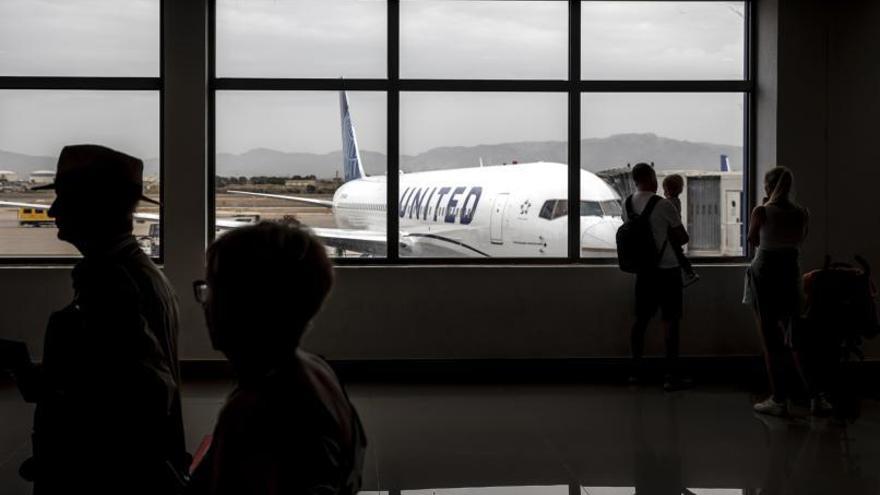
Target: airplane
{"type": "Point", "coordinates": [517, 210]}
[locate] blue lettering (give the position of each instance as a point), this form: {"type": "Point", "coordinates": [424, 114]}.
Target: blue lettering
{"type": "Point", "coordinates": [416, 202]}
{"type": "Point", "coordinates": [443, 192]}
{"type": "Point", "coordinates": [401, 208]}
{"type": "Point", "coordinates": [467, 213]}
{"type": "Point", "coordinates": [450, 208]}
{"type": "Point", "coordinates": [428, 203]}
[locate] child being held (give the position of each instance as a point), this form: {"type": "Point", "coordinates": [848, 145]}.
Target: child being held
{"type": "Point", "coordinates": [672, 188]}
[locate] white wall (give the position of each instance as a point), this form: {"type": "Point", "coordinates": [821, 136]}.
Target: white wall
{"type": "Point", "coordinates": [518, 312]}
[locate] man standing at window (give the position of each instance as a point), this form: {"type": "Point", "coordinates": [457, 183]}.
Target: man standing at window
{"type": "Point", "coordinates": [659, 285]}
{"type": "Point", "coordinates": [108, 415]}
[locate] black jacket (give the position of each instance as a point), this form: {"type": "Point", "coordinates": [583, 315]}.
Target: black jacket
{"type": "Point", "coordinates": [108, 415]}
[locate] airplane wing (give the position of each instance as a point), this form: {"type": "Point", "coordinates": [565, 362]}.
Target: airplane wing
{"type": "Point", "coordinates": [25, 205]}
{"type": "Point", "coordinates": [363, 241]}
{"type": "Point", "coordinates": [320, 202]}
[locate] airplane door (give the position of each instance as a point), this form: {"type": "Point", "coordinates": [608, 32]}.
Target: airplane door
{"type": "Point", "coordinates": [496, 220]}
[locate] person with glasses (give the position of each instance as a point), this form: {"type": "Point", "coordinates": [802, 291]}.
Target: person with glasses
{"type": "Point", "coordinates": [288, 427]}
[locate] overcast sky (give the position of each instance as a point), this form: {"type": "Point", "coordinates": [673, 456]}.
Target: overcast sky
{"type": "Point", "coordinates": [346, 38]}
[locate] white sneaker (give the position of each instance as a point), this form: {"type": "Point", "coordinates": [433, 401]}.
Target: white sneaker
{"type": "Point", "coordinates": [771, 408]}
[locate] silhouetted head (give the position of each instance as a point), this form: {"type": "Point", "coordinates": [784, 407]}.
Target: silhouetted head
{"type": "Point", "coordinates": [264, 284]}
{"type": "Point", "coordinates": [96, 192]}
{"type": "Point", "coordinates": [778, 185]}
{"type": "Point", "coordinates": [644, 177]}
{"type": "Point", "coordinates": [673, 185]}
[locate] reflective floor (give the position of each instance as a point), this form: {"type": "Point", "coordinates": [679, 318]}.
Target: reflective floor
{"type": "Point", "coordinates": [564, 440]}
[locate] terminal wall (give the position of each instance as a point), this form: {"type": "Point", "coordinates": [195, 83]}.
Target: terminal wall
{"type": "Point", "coordinates": [818, 106]}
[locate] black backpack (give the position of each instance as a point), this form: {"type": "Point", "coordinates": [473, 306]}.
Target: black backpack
{"type": "Point", "coordinates": [636, 251]}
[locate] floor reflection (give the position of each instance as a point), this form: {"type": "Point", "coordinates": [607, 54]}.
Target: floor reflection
{"type": "Point", "coordinates": [562, 440]}
{"type": "Point", "coordinates": [814, 456]}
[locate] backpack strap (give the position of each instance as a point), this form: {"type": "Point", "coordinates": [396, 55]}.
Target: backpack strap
{"type": "Point", "coordinates": [628, 204]}
{"type": "Point", "coordinates": [646, 214]}
{"type": "Point", "coordinates": [649, 208]}
{"type": "Point", "coordinates": [631, 213]}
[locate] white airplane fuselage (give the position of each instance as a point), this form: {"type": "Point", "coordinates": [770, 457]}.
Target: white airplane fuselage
{"type": "Point", "coordinates": [485, 211]}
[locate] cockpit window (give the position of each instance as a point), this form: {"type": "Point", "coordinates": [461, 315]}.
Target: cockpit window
{"type": "Point", "coordinates": [547, 209]}
{"type": "Point", "coordinates": [555, 208]}
{"type": "Point", "coordinates": [591, 209]}
{"type": "Point", "coordinates": [612, 208]}
{"type": "Point", "coordinates": [561, 208]}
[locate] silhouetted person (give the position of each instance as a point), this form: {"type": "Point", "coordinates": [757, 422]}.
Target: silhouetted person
{"type": "Point", "coordinates": [108, 416]}
{"type": "Point", "coordinates": [673, 185]}
{"type": "Point", "coordinates": [774, 285]}
{"type": "Point", "coordinates": [288, 426]}
{"type": "Point", "coordinates": [660, 286]}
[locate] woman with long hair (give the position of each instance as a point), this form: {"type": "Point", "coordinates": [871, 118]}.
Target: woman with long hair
{"type": "Point", "coordinates": [774, 285]}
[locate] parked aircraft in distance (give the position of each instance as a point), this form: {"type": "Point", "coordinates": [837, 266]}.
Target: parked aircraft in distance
{"type": "Point", "coordinates": [517, 210]}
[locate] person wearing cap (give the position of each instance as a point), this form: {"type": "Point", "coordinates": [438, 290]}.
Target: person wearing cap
{"type": "Point", "coordinates": [108, 413]}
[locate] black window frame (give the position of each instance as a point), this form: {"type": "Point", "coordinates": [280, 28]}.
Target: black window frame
{"type": "Point", "coordinates": [101, 83]}
{"type": "Point", "coordinates": [573, 86]}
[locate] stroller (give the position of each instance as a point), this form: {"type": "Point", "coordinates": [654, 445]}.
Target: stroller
{"type": "Point", "coordinates": [841, 313]}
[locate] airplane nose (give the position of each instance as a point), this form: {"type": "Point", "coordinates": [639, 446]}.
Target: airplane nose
{"type": "Point", "coordinates": [600, 238]}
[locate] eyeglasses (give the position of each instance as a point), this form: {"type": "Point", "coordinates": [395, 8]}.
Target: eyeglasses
{"type": "Point", "coordinates": [201, 291]}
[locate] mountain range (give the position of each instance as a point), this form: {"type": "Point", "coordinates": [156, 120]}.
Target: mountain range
{"type": "Point", "coordinates": [596, 154]}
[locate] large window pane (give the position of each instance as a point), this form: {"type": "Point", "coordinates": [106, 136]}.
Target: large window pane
{"type": "Point", "coordinates": [483, 39]}
{"type": "Point", "coordinates": [35, 125]}
{"type": "Point", "coordinates": [79, 38]}
{"type": "Point", "coordinates": [301, 38]}
{"type": "Point", "coordinates": [291, 146]}
{"type": "Point", "coordinates": [477, 170]}
{"type": "Point", "coordinates": [696, 135]}
{"type": "Point", "coordinates": [662, 40]}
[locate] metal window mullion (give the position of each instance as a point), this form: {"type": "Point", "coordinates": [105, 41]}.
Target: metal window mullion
{"type": "Point", "coordinates": [162, 243]}
{"type": "Point", "coordinates": [665, 86]}
{"type": "Point", "coordinates": [211, 128]}
{"type": "Point", "coordinates": [750, 131]}
{"type": "Point", "coordinates": [298, 84]}
{"type": "Point", "coordinates": [574, 129]}
{"type": "Point", "coordinates": [81, 83]}
{"type": "Point", "coordinates": [393, 131]}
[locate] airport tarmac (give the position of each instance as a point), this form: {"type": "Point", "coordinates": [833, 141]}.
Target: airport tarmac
{"type": "Point", "coordinates": [38, 242]}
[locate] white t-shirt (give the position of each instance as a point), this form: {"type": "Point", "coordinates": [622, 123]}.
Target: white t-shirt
{"type": "Point", "coordinates": [663, 218]}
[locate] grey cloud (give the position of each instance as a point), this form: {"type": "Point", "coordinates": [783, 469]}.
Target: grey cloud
{"type": "Point", "coordinates": [79, 38]}
{"type": "Point", "coordinates": [333, 38]}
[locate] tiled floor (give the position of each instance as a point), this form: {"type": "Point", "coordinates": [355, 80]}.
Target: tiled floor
{"type": "Point", "coordinates": [563, 440]}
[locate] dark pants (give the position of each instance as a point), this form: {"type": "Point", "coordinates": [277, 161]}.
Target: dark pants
{"type": "Point", "coordinates": [658, 289]}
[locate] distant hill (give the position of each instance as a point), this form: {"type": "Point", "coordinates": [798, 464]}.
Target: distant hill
{"type": "Point", "coordinates": [25, 164]}
{"type": "Point", "coordinates": [596, 154]}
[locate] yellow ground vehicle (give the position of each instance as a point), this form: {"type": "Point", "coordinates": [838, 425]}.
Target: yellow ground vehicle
{"type": "Point", "coordinates": [34, 217]}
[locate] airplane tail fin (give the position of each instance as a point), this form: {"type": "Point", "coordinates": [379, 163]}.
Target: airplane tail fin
{"type": "Point", "coordinates": [725, 163]}
{"type": "Point", "coordinates": [352, 166]}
